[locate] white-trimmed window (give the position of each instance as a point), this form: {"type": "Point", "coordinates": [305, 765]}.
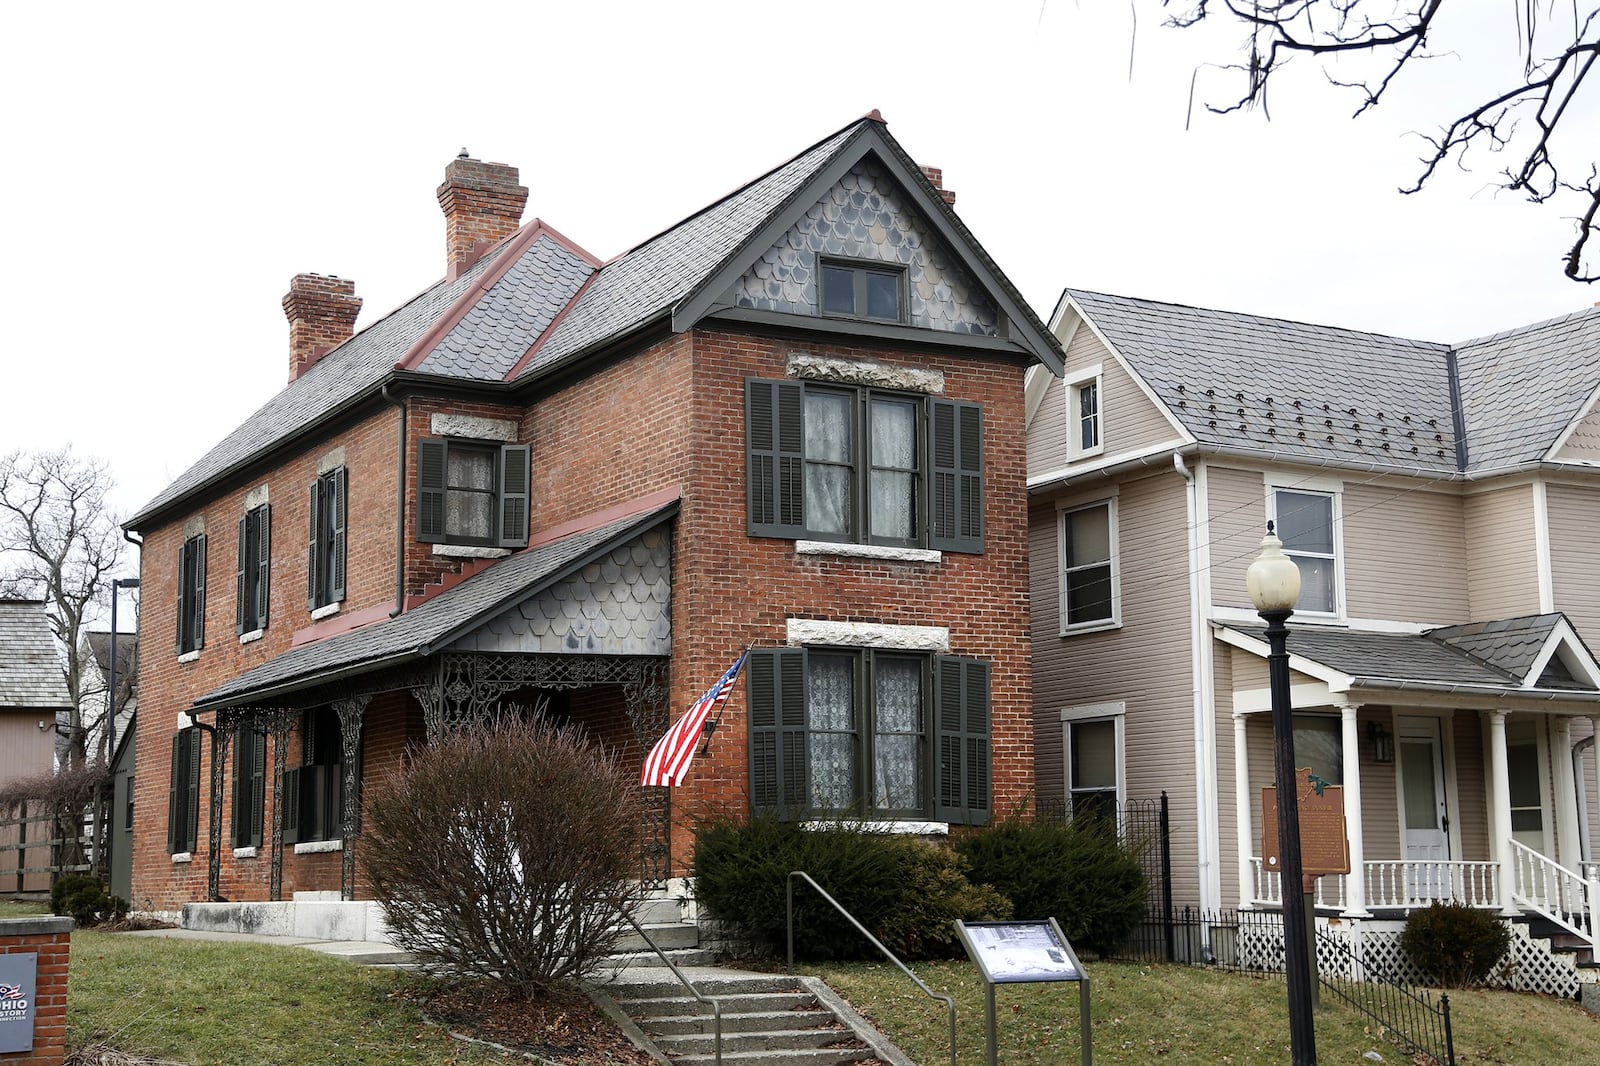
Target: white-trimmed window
{"type": "Point", "coordinates": [1319, 746]}
{"type": "Point", "coordinates": [1092, 743]}
{"type": "Point", "coordinates": [1307, 521]}
{"type": "Point", "coordinates": [1090, 598]}
{"type": "Point", "coordinates": [1083, 414]}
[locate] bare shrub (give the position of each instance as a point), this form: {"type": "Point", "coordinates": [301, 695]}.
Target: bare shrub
{"type": "Point", "coordinates": [506, 852]}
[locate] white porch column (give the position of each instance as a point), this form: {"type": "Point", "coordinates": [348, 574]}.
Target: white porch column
{"type": "Point", "coordinates": [1241, 809]}
{"type": "Point", "coordinates": [1500, 807]}
{"type": "Point", "coordinates": [1564, 783]}
{"type": "Point", "coordinates": [1355, 883]}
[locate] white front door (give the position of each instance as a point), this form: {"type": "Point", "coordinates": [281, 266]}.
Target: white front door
{"type": "Point", "coordinates": [1423, 810]}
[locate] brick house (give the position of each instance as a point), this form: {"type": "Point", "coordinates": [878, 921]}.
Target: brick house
{"type": "Point", "coordinates": [793, 422]}
{"type": "Point", "coordinates": [1440, 501]}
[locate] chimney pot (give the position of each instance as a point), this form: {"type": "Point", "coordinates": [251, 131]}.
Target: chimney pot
{"type": "Point", "coordinates": [321, 310]}
{"type": "Point", "coordinates": [482, 204]}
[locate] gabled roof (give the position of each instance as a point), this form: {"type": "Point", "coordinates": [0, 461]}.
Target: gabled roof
{"type": "Point", "coordinates": [30, 671]}
{"type": "Point", "coordinates": [1318, 393]}
{"type": "Point", "coordinates": [99, 642]}
{"type": "Point", "coordinates": [435, 623]}
{"type": "Point", "coordinates": [537, 303]}
{"type": "Point", "coordinates": [1504, 657]}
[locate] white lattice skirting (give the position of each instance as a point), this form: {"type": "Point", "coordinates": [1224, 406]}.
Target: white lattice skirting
{"type": "Point", "coordinates": [1530, 966]}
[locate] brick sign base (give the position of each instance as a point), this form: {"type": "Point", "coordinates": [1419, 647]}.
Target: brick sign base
{"type": "Point", "coordinates": [49, 940]}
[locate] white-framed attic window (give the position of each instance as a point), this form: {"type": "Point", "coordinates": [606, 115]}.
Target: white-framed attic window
{"type": "Point", "coordinates": [1085, 407]}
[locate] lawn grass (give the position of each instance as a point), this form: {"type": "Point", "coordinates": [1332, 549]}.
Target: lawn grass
{"type": "Point", "coordinates": [18, 908]}
{"type": "Point", "coordinates": [1177, 1014]}
{"type": "Point", "coordinates": [204, 1002]}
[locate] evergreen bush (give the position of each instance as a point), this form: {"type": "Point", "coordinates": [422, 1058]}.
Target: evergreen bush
{"type": "Point", "coordinates": [1081, 873]}
{"type": "Point", "coordinates": [906, 891]}
{"type": "Point", "coordinates": [84, 899]}
{"type": "Point", "coordinates": [1455, 945]}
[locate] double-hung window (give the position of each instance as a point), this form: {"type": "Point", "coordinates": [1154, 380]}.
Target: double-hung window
{"type": "Point", "coordinates": [313, 793]}
{"type": "Point", "coordinates": [183, 793]}
{"type": "Point", "coordinates": [869, 733]}
{"type": "Point", "coordinates": [1306, 523]}
{"type": "Point", "coordinates": [255, 570]}
{"type": "Point", "coordinates": [1319, 746]}
{"type": "Point", "coordinates": [1090, 598]}
{"type": "Point", "coordinates": [853, 289]}
{"type": "Point", "coordinates": [1083, 415]}
{"type": "Point", "coordinates": [472, 493]}
{"type": "Point", "coordinates": [864, 466]}
{"type": "Point", "coordinates": [249, 785]}
{"type": "Point", "coordinates": [192, 595]}
{"type": "Point", "coordinates": [326, 551]}
{"type": "Point", "coordinates": [1093, 742]}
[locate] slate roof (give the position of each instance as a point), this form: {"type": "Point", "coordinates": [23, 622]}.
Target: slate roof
{"type": "Point", "coordinates": [99, 641]}
{"type": "Point", "coordinates": [1519, 389]}
{"type": "Point", "coordinates": [536, 300]}
{"type": "Point", "coordinates": [30, 671]}
{"type": "Point", "coordinates": [1495, 654]}
{"type": "Point", "coordinates": [426, 628]}
{"type": "Point", "coordinates": [1318, 392]}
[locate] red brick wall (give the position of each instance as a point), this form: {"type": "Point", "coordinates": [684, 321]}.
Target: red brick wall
{"type": "Point", "coordinates": [167, 687]}
{"type": "Point", "coordinates": [53, 949]}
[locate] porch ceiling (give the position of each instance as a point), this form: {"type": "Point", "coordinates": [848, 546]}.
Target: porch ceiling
{"type": "Point", "coordinates": [438, 622]}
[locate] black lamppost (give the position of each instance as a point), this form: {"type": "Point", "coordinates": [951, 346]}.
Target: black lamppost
{"type": "Point", "coordinates": [117, 584]}
{"type": "Point", "coordinates": [1274, 584]}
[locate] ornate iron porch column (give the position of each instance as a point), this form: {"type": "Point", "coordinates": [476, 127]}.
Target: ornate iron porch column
{"type": "Point", "coordinates": [221, 733]}
{"type": "Point", "coordinates": [279, 722]}
{"type": "Point", "coordinates": [352, 713]}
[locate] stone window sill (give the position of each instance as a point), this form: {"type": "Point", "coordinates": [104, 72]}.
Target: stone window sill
{"type": "Point", "coordinates": [327, 610]}
{"type": "Point", "coordinates": [897, 827]}
{"type": "Point", "coordinates": [244, 853]}
{"type": "Point", "coordinates": [470, 551]}
{"type": "Point", "coordinates": [189, 656]}
{"type": "Point", "coordinates": [252, 636]}
{"type": "Point", "coordinates": [318, 847]}
{"type": "Point", "coordinates": [182, 857]}
{"type": "Point", "coordinates": [885, 552]}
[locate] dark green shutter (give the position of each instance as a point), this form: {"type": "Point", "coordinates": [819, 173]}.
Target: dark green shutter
{"type": "Point", "coordinates": [337, 507]}
{"type": "Point", "coordinates": [241, 786]}
{"type": "Point", "coordinates": [514, 495]}
{"type": "Point", "coordinates": [241, 588]}
{"type": "Point", "coordinates": [183, 592]}
{"type": "Point", "coordinates": [314, 549]}
{"type": "Point", "coordinates": [430, 490]}
{"type": "Point", "coordinates": [961, 704]}
{"type": "Point", "coordinates": [258, 786]}
{"type": "Point", "coordinates": [289, 815]}
{"type": "Point", "coordinates": [263, 563]}
{"type": "Point", "coordinates": [957, 477]}
{"type": "Point", "coordinates": [174, 810]}
{"type": "Point", "coordinates": [197, 597]}
{"type": "Point", "coordinates": [192, 818]}
{"type": "Point", "coordinates": [776, 695]}
{"type": "Point", "coordinates": [775, 457]}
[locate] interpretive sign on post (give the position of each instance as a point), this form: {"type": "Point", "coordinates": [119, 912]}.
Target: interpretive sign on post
{"type": "Point", "coordinates": [1025, 952]}
{"type": "Point", "coordinates": [18, 988]}
{"type": "Point", "coordinates": [1324, 847]}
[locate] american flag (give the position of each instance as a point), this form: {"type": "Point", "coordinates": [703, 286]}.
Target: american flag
{"type": "Point", "coordinates": [669, 760]}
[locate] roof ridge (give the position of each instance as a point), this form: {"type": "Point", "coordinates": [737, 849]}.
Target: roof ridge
{"type": "Point", "coordinates": [1526, 328]}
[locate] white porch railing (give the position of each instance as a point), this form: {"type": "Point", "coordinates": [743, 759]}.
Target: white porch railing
{"type": "Point", "coordinates": [1542, 885]}
{"type": "Point", "coordinates": [1396, 883]}
{"type": "Point", "coordinates": [1411, 884]}
{"type": "Point", "coordinates": [1590, 871]}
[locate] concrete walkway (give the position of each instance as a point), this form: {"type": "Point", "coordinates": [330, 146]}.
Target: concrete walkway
{"type": "Point", "coordinates": [362, 952]}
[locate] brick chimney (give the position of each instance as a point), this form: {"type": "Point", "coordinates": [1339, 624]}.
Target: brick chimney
{"type": "Point", "coordinates": [482, 203]}
{"type": "Point", "coordinates": [935, 178]}
{"type": "Point", "coordinates": [322, 315]}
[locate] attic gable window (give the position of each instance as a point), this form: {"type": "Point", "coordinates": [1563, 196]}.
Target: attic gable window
{"type": "Point", "coordinates": [472, 492]}
{"type": "Point", "coordinates": [857, 290]}
{"type": "Point", "coordinates": [1083, 414]}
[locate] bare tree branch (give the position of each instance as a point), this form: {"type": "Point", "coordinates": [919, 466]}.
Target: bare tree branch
{"type": "Point", "coordinates": [1538, 99]}
{"type": "Point", "coordinates": [60, 542]}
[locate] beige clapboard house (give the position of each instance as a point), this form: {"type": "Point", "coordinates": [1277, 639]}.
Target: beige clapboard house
{"type": "Point", "coordinates": [1443, 504]}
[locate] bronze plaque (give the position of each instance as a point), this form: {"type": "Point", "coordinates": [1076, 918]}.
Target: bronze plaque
{"type": "Point", "coordinates": [1324, 848]}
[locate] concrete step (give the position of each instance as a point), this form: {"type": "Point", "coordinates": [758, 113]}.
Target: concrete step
{"type": "Point", "coordinates": [686, 1006]}
{"type": "Point", "coordinates": [641, 984]}
{"type": "Point", "coordinates": [742, 1021]}
{"type": "Point", "coordinates": [681, 957]}
{"type": "Point", "coordinates": [801, 1057]}
{"type": "Point", "coordinates": [685, 1044]}
{"type": "Point", "coordinates": [668, 936]}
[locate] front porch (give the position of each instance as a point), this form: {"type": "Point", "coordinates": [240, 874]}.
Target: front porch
{"type": "Point", "coordinates": [1465, 759]}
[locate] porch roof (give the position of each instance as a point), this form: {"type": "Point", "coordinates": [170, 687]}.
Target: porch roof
{"type": "Point", "coordinates": [435, 623]}
{"type": "Point", "coordinates": [1487, 658]}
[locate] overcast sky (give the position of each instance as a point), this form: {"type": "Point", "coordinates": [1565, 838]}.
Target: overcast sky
{"type": "Point", "coordinates": [170, 166]}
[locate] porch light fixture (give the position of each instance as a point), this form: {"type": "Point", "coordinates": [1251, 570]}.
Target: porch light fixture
{"type": "Point", "coordinates": [1382, 743]}
{"type": "Point", "coordinates": [1273, 582]}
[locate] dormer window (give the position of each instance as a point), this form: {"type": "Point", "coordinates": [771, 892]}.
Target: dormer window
{"type": "Point", "coordinates": [862, 290]}
{"type": "Point", "coordinates": [1083, 414]}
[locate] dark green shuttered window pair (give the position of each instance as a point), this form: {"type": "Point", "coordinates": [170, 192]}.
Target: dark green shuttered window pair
{"type": "Point", "coordinates": [249, 785]}
{"type": "Point", "coordinates": [183, 792]}
{"type": "Point", "coordinates": [253, 580]}
{"type": "Point", "coordinates": [471, 492]}
{"type": "Point", "coordinates": [313, 794]}
{"type": "Point", "coordinates": [844, 731]}
{"type": "Point", "coordinates": [192, 594]}
{"type": "Point", "coordinates": [863, 466]}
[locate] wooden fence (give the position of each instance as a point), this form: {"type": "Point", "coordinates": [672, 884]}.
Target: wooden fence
{"type": "Point", "coordinates": [42, 842]}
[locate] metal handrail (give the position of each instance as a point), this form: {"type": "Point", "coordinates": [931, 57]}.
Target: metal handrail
{"type": "Point", "coordinates": [949, 1001]}
{"type": "Point", "coordinates": [716, 1003]}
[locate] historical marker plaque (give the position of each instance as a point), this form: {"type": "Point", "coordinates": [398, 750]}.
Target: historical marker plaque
{"type": "Point", "coordinates": [18, 985]}
{"type": "Point", "coordinates": [1324, 847]}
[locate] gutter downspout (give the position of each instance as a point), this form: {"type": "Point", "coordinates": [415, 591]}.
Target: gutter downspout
{"type": "Point", "coordinates": [399, 506]}
{"type": "Point", "coordinates": [1205, 780]}
{"type": "Point", "coordinates": [1585, 845]}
